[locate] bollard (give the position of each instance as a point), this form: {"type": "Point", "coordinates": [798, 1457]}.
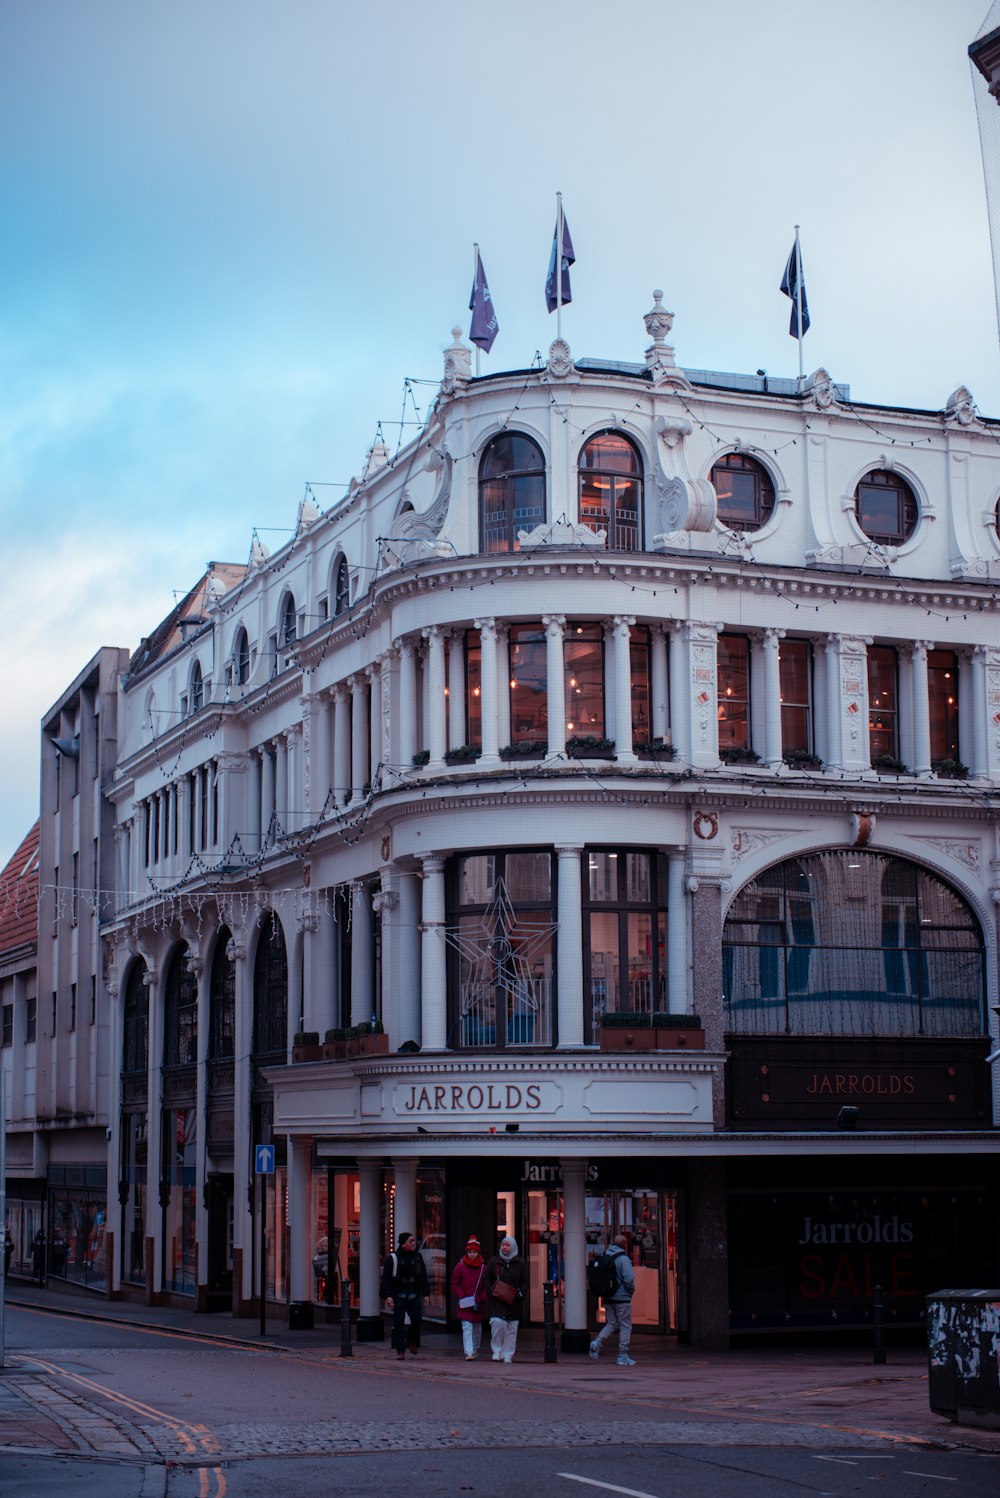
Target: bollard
{"type": "Point", "coordinates": [548, 1296]}
{"type": "Point", "coordinates": [878, 1354]}
{"type": "Point", "coordinates": [346, 1350]}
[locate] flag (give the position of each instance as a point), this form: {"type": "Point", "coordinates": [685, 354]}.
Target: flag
{"type": "Point", "coordinates": [568, 259]}
{"type": "Point", "coordinates": [791, 283]}
{"type": "Point", "coordinates": [484, 327]}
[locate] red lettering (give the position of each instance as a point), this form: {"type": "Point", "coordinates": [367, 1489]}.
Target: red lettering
{"type": "Point", "coordinates": [843, 1278]}
{"type": "Point", "coordinates": [901, 1276]}
{"type": "Point", "coordinates": [814, 1274]}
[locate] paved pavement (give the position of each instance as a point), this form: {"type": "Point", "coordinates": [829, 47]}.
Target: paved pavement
{"type": "Point", "coordinates": [832, 1397]}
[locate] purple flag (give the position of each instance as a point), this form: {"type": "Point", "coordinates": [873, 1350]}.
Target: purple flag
{"type": "Point", "coordinates": [790, 283]}
{"type": "Point", "coordinates": [567, 259]}
{"type": "Point", "coordinates": [484, 320]}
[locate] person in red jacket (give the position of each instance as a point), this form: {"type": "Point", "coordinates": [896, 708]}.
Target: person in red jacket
{"type": "Point", "coordinates": [467, 1288]}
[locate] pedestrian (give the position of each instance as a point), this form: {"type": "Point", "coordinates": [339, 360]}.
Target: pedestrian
{"type": "Point", "coordinates": [8, 1251]}
{"type": "Point", "coordinates": [504, 1279]}
{"type": "Point", "coordinates": [467, 1288]}
{"type": "Point", "coordinates": [613, 1279]}
{"type": "Point", "coordinates": [38, 1257]}
{"type": "Point", "coordinates": [404, 1285]}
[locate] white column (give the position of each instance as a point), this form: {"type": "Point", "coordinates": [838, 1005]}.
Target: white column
{"type": "Point", "coordinates": [456, 689]}
{"type": "Point", "coordinates": [154, 1132]}
{"type": "Point", "coordinates": [341, 746]}
{"type": "Point", "coordinates": [436, 727]}
{"type": "Point", "coordinates": [677, 933]}
{"type": "Point", "coordinates": [243, 1220]}
{"type": "Point", "coordinates": [658, 671]}
{"type": "Point", "coordinates": [405, 1209]}
{"type": "Point", "coordinates": [319, 982]}
{"type": "Point", "coordinates": [555, 682]}
{"type": "Point", "coordinates": [490, 757]}
{"type": "Point", "coordinates": [319, 755]}
{"type": "Point", "coordinates": [374, 675]}
{"type": "Point", "coordinates": [623, 688]}
{"type": "Point", "coordinates": [772, 697]}
{"type": "Point", "coordinates": [575, 1334]}
{"type": "Point", "coordinates": [833, 751]}
{"type": "Point", "coordinates": [300, 1218]}
{"type": "Point", "coordinates": [203, 972]}
{"type": "Point", "coordinates": [370, 1244]}
{"type": "Point", "coordinates": [680, 716]}
{"type": "Point", "coordinates": [409, 960]}
{"type": "Point", "coordinates": [252, 843]}
{"type": "Point", "coordinates": [433, 967]}
{"type": "Point", "coordinates": [503, 684]}
{"type": "Point", "coordinates": [569, 948]}
{"type": "Point", "coordinates": [980, 758]}
{"type": "Point", "coordinates": [407, 705]}
{"type": "Point", "coordinates": [359, 737]}
{"type": "Point", "coordinates": [281, 780]}
{"type": "Point", "coordinates": [921, 707]}
{"type": "Point", "coordinates": [295, 803]}
{"type": "Point", "coordinates": [362, 995]}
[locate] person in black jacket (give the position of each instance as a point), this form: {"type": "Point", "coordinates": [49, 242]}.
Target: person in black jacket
{"type": "Point", "coordinates": [506, 1267]}
{"type": "Point", "coordinates": [404, 1285]}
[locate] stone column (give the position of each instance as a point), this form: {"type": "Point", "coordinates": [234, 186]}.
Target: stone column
{"type": "Point", "coordinates": [282, 780]}
{"type": "Point", "coordinates": [697, 656]}
{"type": "Point", "coordinates": [832, 751]}
{"type": "Point", "coordinates": [374, 675]}
{"type": "Point", "coordinates": [409, 959]}
{"type": "Point", "coordinates": [980, 758]}
{"type": "Point", "coordinates": [405, 1213]}
{"type": "Point", "coordinates": [575, 1336]}
{"type": "Point", "coordinates": [503, 684]}
{"type": "Point", "coordinates": [623, 688]}
{"type": "Point", "coordinates": [569, 949]}
{"type": "Point", "coordinates": [708, 1256]}
{"type": "Point", "coordinates": [369, 1326]}
{"type": "Point", "coordinates": [319, 754]}
{"type": "Point", "coordinates": [660, 724]}
{"type": "Point", "coordinates": [490, 757]}
{"type": "Point", "coordinates": [677, 933]}
{"type": "Point", "coordinates": [456, 689]}
{"type": "Point", "coordinates": [203, 973]}
{"type": "Point", "coordinates": [772, 697]}
{"type": "Point", "coordinates": [319, 979]}
{"type": "Point", "coordinates": [921, 707]}
{"type": "Point", "coordinates": [154, 1137]}
{"type": "Point", "coordinates": [295, 804]}
{"type": "Point", "coordinates": [433, 965]}
{"type": "Point", "coordinates": [300, 1223]}
{"type": "Point", "coordinates": [341, 747]}
{"type": "Point", "coordinates": [706, 977]}
{"type": "Point", "coordinates": [359, 737]}
{"type": "Point", "coordinates": [555, 681]}
{"type": "Point", "coordinates": [362, 994]}
{"type": "Point", "coordinates": [680, 712]}
{"type": "Point", "coordinates": [255, 794]}
{"type": "Point", "coordinates": [437, 702]}
{"type": "Point", "coordinates": [243, 1220]}
{"type": "Point", "coordinates": [407, 705]}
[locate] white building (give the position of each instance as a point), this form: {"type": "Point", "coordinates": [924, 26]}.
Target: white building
{"type": "Point", "coordinates": [622, 691]}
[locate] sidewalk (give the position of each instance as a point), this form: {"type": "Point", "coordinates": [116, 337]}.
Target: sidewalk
{"type": "Point", "coordinates": [834, 1388]}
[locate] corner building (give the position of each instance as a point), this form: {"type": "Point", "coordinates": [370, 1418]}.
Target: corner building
{"type": "Point", "coordinates": [621, 752]}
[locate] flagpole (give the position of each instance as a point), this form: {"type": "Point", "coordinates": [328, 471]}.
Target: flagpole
{"type": "Point", "coordinates": [559, 261]}
{"type": "Point", "coordinates": [475, 278]}
{"type": "Point", "coordinates": [798, 299]}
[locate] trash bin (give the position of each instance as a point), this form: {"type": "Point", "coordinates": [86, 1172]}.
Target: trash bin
{"type": "Point", "coordinates": [300, 1316]}
{"type": "Point", "coordinates": [963, 1350]}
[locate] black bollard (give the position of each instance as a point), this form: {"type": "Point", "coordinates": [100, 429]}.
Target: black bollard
{"type": "Point", "coordinates": [346, 1350]}
{"type": "Point", "coordinates": [878, 1354]}
{"type": "Point", "coordinates": [548, 1296]}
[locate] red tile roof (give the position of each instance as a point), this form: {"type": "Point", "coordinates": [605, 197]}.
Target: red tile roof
{"type": "Point", "coordinates": [19, 897]}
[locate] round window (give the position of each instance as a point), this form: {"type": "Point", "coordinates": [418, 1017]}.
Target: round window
{"type": "Point", "coordinates": [745, 491]}
{"type": "Point", "coordinates": [886, 507]}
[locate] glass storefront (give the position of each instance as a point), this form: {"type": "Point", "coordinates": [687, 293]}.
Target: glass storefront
{"type": "Point", "coordinates": [76, 1246]}
{"type": "Point", "coordinates": [180, 1250]}
{"type": "Point", "coordinates": [132, 1191]}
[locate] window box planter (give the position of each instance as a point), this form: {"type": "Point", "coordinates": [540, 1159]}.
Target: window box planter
{"type": "Point", "coordinates": [422, 757]}
{"type": "Point", "coordinates": [628, 1030]}
{"type": "Point", "coordinates": [735, 754]}
{"type": "Point", "coordinates": [888, 764]}
{"type": "Point", "coordinates": [530, 749]}
{"type": "Point", "coordinates": [589, 746]}
{"type": "Point", "coordinates": [653, 749]}
{"type": "Point", "coordinates": [367, 1040]}
{"type": "Point", "coordinates": [676, 1032]}
{"type": "Point", "coordinates": [306, 1046]}
{"type": "Point", "coordinates": [801, 759]}
{"type": "Point", "coordinates": [950, 769]}
{"type": "Point", "coordinates": [335, 1045]}
{"type": "Point", "coordinates": [462, 756]}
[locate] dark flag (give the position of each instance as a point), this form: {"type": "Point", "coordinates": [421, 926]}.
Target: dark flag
{"type": "Point", "coordinates": [792, 282]}
{"type": "Point", "coordinates": [567, 259]}
{"type": "Point", "coordinates": [484, 320]}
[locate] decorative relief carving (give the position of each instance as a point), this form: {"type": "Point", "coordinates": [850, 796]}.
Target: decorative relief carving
{"type": "Point", "coordinates": [746, 840]}
{"type": "Point", "coordinates": [705, 825]}
{"type": "Point", "coordinates": [960, 408]}
{"type": "Point", "coordinates": [560, 364]}
{"type": "Point", "coordinates": [457, 365]}
{"type": "Point", "coordinates": [684, 503]}
{"type": "Point", "coordinates": [562, 532]}
{"type": "Point", "coordinates": [967, 853]}
{"type": "Point", "coordinates": [820, 389]}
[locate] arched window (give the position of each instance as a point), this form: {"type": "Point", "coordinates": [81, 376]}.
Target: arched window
{"type": "Point", "coordinates": [611, 490]}
{"type": "Point", "coordinates": [222, 1001]}
{"type": "Point", "coordinates": [511, 491]}
{"type": "Point", "coordinates": [886, 507]}
{"type": "Point", "coordinates": [270, 991]}
{"type": "Point", "coordinates": [135, 1022]}
{"type": "Point", "coordinates": [288, 632]}
{"type": "Point", "coordinates": [852, 943]}
{"type": "Point", "coordinates": [240, 663]}
{"type": "Point", "coordinates": [745, 492]}
{"type": "Point", "coordinates": [341, 587]}
{"type": "Point", "coordinates": [196, 694]}
{"type": "Point", "coordinates": [180, 1012]}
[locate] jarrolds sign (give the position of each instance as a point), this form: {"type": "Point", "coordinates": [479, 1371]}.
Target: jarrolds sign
{"type": "Point", "coordinates": [793, 1083]}
{"type": "Point", "coordinates": [475, 1099]}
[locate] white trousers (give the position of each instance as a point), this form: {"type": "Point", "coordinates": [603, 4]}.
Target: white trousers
{"type": "Point", "coordinates": [472, 1336]}
{"type": "Point", "coordinates": [503, 1338]}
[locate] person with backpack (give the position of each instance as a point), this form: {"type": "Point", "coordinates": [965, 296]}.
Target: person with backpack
{"type": "Point", "coordinates": [403, 1288]}
{"type": "Point", "coordinates": [612, 1279]}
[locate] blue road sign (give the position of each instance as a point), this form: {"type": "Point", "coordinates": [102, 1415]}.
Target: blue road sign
{"type": "Point", "coordinates": [265, 1160]}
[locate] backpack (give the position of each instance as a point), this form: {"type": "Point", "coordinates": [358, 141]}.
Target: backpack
{"type": "Point", "coordinates": [603, 1277]}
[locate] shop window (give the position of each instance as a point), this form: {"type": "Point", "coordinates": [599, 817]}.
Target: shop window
{"type": "Point", "coordinates": [511, 491]}
{"type": "Point", "coordinates": [501, 940]}
{"type": "Point", "coordinates": [745, 492]}
{"type": "Point", "coordinates": [942, 691]}
{"type": "Point", "coordinates": [177, 1188]}
{"type": "Point", "coordinates": [886, 507]}
{"type": "Point", "coordinates": [795, 679]}
{"type": "Point", "coordinates": [134, 1178]}
{"type": "Point", "coordinates": [529, 711]}
{"type": "Point", "coordinates": [180, 1009]}
{"type": "Point", "coordinates": [611, 490]}
{"type": "Point", "coordinates": [624, 934]}
{"type": "Point", "coordinates": [734, 693]}
{"type": "Point", "coordinates": [222, 1001]}
{"type": "Point", "coordinates": [135, 1028]}
{"type": "Point", "coordinates": [852, 943]}
{"type": "Point", "coordinates": [640, 651]}
{"type": "Point", "coordinates": [583, 661]}
{"type": "Point", "coordinates": [883, 704]}
{"type": "Point", "coordinates": [270, 992]}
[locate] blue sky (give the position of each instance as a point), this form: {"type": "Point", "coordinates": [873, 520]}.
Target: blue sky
{"type": "Point", "coordinates": [232, 229]}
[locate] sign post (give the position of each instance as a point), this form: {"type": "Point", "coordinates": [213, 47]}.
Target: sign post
{"type": "Point", "coordinates": [263, 1167]}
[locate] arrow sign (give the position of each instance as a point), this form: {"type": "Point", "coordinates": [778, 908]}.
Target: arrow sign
{"type": "Point", "coordinates": [264, 1159]}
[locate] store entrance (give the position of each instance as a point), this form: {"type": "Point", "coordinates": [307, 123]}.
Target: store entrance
{"type": "Point", "coordinates": [648, 1220]}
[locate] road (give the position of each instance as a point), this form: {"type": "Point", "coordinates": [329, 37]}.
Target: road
{"type": "Point", "coordinates": [109, 1410]}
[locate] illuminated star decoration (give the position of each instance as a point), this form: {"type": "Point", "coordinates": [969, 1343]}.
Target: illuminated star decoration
{"type": "Point", "coordinates": [498, 958]}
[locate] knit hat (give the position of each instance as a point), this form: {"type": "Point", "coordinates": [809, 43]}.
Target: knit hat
{"type": "Point", "coordinates": [403, 1238]}
{"type": "Point", "coordinates": [472, 1242]}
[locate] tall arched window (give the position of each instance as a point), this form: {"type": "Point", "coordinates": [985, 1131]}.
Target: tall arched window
{"type": "Point", "coordinates": [270, 991]}
{"type": "Point", "coordinates": [135, 1021]}
{"type": "Point", "coordinates": [240, 663]}
{"type": "Point", "coordinates": [180, 1012]}
{"type": "Point", "coordinates": [511, 491]}
{"type": "Point", "coordinates": [196, 694]}
{"type": "Point", "coordinates": [341, 587]}
{"type": "Point", "coordinates": [611, 490]}
{"type": "Point", "coordinates": [222, 1001]}
{"type": "Point", "coordinates": [288, 631]}
{"type": "Point", "coordinates": [852, 943]}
